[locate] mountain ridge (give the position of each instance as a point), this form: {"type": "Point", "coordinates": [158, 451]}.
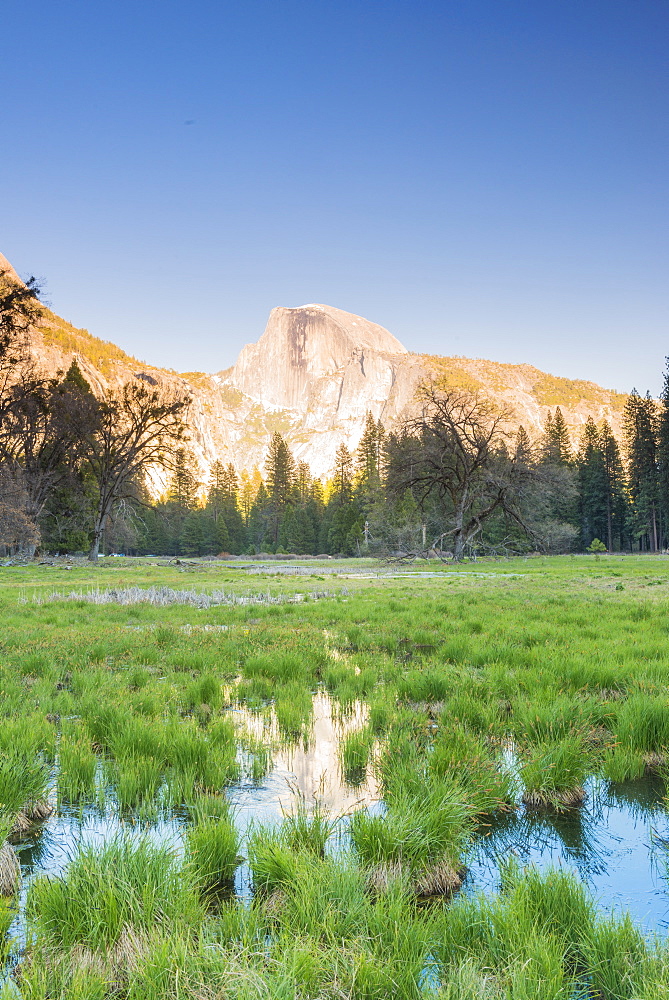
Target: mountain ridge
{"type": "Point", "coordinates": [313, 375]}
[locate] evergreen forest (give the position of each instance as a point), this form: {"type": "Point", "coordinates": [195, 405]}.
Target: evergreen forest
{"type": "Point", "coordinates": [78, 473]}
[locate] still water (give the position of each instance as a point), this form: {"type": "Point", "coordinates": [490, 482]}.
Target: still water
{"type": "Point", "coordinates": [617, 843]}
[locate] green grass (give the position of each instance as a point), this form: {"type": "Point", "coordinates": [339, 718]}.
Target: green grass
{"type": "Point", "coordinates": [23, 779]}
{"type": "Point", "coordinates": [124, 883]}
{"type": "Point", "coordinates": [355, 751]}
{"type": "Point", "coordinates": [554, 773]}
{"type": "Point", "coordinates": [212, 853]}
{"type": "Point", "coordinates": [273, 863]}
{"type": "Point", "coordinates": [417, 831]}
{"type": "Point", "coordinates": [308, 829]}
{"type": "Point", "coordinates": [77, 765]}
{"type": "Point", "coordinates": [547, 656]}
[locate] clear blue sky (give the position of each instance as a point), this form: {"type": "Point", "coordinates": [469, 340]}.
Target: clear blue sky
{"type": "Point", "coordinates": [483, 177]}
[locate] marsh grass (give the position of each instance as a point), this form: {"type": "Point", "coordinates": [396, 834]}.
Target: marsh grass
{"type": "Point", "coordinates": [623, 764]}
{"type": "Point", "coordinates": [466, 757]}
{"type": "Point", "coordinates": [454, 670]}
{"type": "Point", "coordinates": [123, 883]}
{"type": "Point", "coordinates": [137, 781]}
{"type": "Point", "coordinates": [421, 837]}
{"type": "Point", "coordinates": [616, 957]}
{"type": "Point", "coordinates": [23, 779]}
{"type": "Point", "coordinates": [280, 668]}
{"type": "Point", "coordinates": [23, 790]}
{"type": "Point", "coordinates": [354, 753]}
{"type": "Point", "coordinates": [261, 763]}
{"type": "Point", "coordinates": [554, 774]}
{"type": "Point", "coordinates": [308, 829]}
{"type": "Point", "coordinates": [643, 723]}
{"type": "Point", "coordinates": [294, 710]}
{"type": "Point", "coordinates": [10, 870]}
{"type": "Point", "coordinates": [212, 853]}
{"type": "Point", "coordinates": [273, 864]}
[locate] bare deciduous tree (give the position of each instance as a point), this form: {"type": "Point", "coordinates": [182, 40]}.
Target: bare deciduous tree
{"type": "Point", "coordinates": [18, 531]}
{"type": "Point", "coordinates": [137, 427]}
{"type": "Point", "coordinates": [455, 451]}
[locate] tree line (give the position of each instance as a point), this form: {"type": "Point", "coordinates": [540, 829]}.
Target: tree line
{"type": "Point", "coordinates": [70, 459]}
{"type": "Point", "coordinates": [450, 481]}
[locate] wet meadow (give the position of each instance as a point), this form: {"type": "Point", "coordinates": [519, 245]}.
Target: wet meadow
{"type": "Point", "coordinates": [335, 779]}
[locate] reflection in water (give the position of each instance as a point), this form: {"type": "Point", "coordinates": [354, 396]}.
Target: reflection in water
{"type": "Point", "coordinates": [310, 768]}
{"type": "Point", "coordinates": [618, 842]}
{"type": "Point", "coordinates": [526, 832]}
{"type": "Point", "coordinates": [643, 797]}
{"type": "Point", "coordinates": [615, 842]}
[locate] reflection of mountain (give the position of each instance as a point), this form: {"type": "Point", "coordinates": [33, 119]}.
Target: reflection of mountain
{"type": "Point", "coordinates": [311, 767]}
{"type": "Point", "coordinates": [313, 375]}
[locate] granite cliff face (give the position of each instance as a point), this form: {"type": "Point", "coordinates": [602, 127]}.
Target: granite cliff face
{"type": "Point", "coordinates": [301, 346]}
{"type": "Point", "coordinates": [313, 375]}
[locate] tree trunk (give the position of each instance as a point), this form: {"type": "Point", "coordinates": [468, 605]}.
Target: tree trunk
{"type": "Point", "coordinates": [97, 537]}
{"type": "Point", "coordinates": [95, 547]}
{"type": "Point", "coordinates": [459, 534]}
{"type": "Point", "coordinates": [609, 530]}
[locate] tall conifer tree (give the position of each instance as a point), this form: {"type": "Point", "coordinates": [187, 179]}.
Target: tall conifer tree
{"type": "Point", "coordinates": [280, 468]}
{"type": "Point", "coordinates": [616, 488]}
{"type": "Point", "coordinates": [593, 486]}
{"type": "Point", "coordinates": [663, 455]}
{"type": "Point", "coordinates": [640, 423]}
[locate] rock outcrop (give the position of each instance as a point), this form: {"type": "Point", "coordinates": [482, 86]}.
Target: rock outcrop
{"type": "Point", "coordinates": [303, 345]}
{"type": "Point", "coordinates": [7, 270]}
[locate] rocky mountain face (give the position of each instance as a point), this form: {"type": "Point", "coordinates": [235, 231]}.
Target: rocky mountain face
{"type": "Point", "coordinates": [313, 375]}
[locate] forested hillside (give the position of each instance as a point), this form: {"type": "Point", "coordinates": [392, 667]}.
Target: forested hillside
{"type": "Point", "coordinates": [91, 464]}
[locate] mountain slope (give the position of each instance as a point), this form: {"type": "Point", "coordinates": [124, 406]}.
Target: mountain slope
{"type": "Point", "coordinates": [313, 375]}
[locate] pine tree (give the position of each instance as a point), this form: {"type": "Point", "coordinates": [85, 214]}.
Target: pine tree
{"type": "Point", "coordinates": [223, 507]}
{"type": "Point", "coordinates": [343, 522]}
{"type": "Point", "coordinates": [367, 457]}
{"type": "Point", "coordinates": [523, 453]}
{"type": "Point", "coordinates": [593, 486]}
{"type": "Point", "coordinates": [74, 377]}
{"type": "Point", "coordinates": [557, 464]}
{"type": "Point", "coordinates": [547, 440]}
{"type": "Point", "coordinates": [183, 486]}
{"type": "Point", "coordinates": [259, 526]}
{"type": "Point", "coordinates": [191, 541]}
{"type": "Point", "coordinates": [214, 536]}
{"type": "Point", "coordinates": [280, 467]}
{"type": "Point", "coordinates": [663, 455]}
{"type": "Point", "coordinates": [248, 491]}
{"type": "Point", "coordinates": [616, 487]}
{"type": "Point", "coordinates": [302, 484]}
{"type": "Point", "coordinates": [556, 446]}
{"type": "Point", "coordinates": [342, 482]}
{"type": "Point", "coordinates": [182, 500]}
{"type": "Point", "coordinates": [640, 423]}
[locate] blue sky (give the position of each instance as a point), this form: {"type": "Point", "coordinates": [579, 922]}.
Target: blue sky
{"type": "Point", "coordinates": [484, 177]}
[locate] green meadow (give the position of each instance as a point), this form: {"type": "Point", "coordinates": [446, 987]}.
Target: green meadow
{"type": "Point", "coordinates": [482, 690]}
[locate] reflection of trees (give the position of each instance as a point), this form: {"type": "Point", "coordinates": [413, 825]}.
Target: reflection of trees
{"type": "Point", "coordinates": [575, 832]}
{"type": "Point", "coordinates": [32, 854]}
{"type": "Point", "coordinates": [583, 837]}
{"type": "Point", "coordinates": [641, 797]}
